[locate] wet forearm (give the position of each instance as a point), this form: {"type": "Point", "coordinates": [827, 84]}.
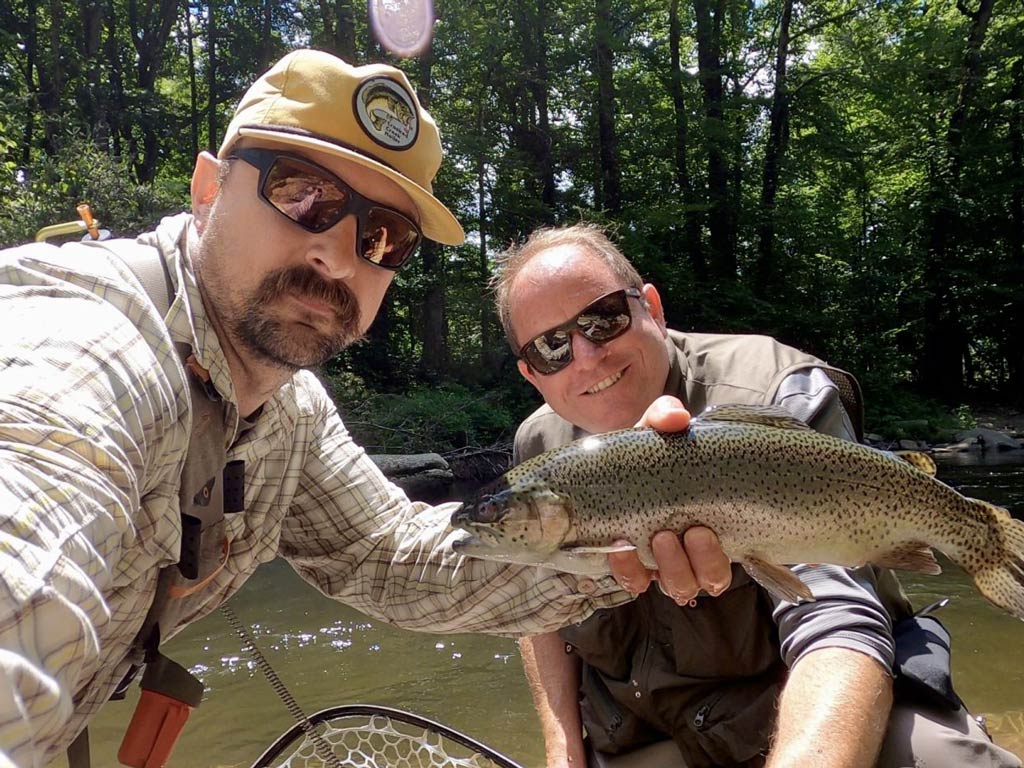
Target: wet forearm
{"type": "Point", "coordinates": [554, 678]}
{"type": "Point", "coordinates": [833, 711]}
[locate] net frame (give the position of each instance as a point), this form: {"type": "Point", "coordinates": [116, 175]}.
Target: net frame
{"type": "Point", "coordinates": [394, 738]}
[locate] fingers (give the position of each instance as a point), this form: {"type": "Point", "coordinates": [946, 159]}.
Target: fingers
{"type": "Point", "coordinates": [629, 572]}
{"type": "Point", "coordinates": [710, 564]}
{"type": "Point", "coordinates": [686, 565]}
{"type": "Point", "coordinates": [666, 414]}
{"type": "Point", "coordinates": [675, 574]}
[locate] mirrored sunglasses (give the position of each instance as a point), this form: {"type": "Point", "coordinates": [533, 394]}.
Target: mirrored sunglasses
{"type": "Point", "coordinates": [316, 200]}
{"type": "Point", "coordinates": [604, 319]}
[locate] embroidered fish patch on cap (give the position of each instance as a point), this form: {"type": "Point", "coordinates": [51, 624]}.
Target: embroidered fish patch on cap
{"type": "Point", "coordinates": [386, 112]}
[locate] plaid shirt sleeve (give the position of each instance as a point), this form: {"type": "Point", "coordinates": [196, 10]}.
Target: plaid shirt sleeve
{"type": "Point", "coordinates": [357, 538]}
{"type": "Point", "coordinates": [79, 394]}
{"type": "Point", "coordinates": [94, 429]}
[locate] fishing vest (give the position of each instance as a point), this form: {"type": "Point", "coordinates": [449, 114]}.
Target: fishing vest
{"type": "Point", "coordinates": [210, 486]}
{"type": "Point", "coordinates": [707, 675]}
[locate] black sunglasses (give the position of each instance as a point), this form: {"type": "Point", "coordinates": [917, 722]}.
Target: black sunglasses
{"type": "Point", "coordinates": [604, 319]}
{"type": "Point", "coordinates": [315, 199]}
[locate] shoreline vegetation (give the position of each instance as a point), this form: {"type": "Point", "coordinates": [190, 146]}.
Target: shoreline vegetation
{"type": "Point", "coordinates": [471, 430]}
{"type": "Point", "coordinates": [852, 186]}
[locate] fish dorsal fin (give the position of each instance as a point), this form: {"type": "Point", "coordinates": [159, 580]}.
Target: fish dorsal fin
{"type": "Point", "coordinates": [764, 415]}
{"type": "Point", "coordinates": [918, 460]}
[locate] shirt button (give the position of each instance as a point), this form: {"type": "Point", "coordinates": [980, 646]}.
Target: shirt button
{"type": "Point", "coordinates": [586, 586]}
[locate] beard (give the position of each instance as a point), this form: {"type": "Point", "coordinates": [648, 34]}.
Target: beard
{"type": "Point", "coordinates": [299, 344]}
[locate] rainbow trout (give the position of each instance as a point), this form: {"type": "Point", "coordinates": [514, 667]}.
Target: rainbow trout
{"type": "Point", "coordinates": [775, 491]}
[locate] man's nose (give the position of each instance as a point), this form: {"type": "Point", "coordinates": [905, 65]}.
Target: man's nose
{"type": "Point", "coordinates": [585, 353]}
{"type": "Point", "coordinates": [333, 253]}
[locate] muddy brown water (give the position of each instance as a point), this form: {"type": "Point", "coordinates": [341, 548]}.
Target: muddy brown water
{"type": "Point", "coordinates": [329, 654]}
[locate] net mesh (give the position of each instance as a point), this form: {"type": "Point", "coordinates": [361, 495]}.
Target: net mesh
{"type": "Point", "coordinates": [379, 741]}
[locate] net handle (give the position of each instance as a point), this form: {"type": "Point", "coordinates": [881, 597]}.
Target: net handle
{"type": "Point", "coordinates": [345, 710]}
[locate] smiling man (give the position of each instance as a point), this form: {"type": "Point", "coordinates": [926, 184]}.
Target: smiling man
{"type": "Point", "coordinates": [710, 670]}
{"type": "Point", "coordinates": [159, 438]}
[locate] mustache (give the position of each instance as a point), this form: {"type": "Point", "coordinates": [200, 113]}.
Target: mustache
{"type": "Point", "coordinates": [306, 281]}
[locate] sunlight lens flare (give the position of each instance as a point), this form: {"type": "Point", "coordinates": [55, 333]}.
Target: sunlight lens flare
{"type": "Point", "coordinates": [404, 27]}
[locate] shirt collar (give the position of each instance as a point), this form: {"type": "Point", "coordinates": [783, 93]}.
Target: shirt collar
{"type": "Point", "coordinates": [187, 321]}
{"type": "Point", "coordinates": [677, 370]}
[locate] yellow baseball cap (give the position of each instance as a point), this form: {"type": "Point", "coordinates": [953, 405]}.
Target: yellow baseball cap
{"type": "Point", "coordinates": [369, 115]}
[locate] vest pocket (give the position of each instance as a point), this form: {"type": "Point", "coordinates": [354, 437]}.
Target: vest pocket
{"type": "Point", "coordinates": [733, 726]}
{"type": "Point", "coordinates": [727, 637]}
{"type": "Point", "coordinates": [611, 727]}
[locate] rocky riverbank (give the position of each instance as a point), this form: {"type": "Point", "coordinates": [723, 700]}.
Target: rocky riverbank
{"type": "Point", "coordinates": [996, 430]}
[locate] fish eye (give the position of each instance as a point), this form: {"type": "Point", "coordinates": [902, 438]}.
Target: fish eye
{"type": "Point", "coordinates": [487, 511]}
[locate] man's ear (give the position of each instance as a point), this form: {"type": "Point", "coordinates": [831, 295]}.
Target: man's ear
{"type": "Point", "coordinates": [205, 185]}
{"type": "Point", "coordinates": [527, 372]}
{"type": "Point", "coordinates": [652, 299]}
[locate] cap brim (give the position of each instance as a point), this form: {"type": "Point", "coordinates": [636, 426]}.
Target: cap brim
{"type": "Point", "coordinates": [436, 221]}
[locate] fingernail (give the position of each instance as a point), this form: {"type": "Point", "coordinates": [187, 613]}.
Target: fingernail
{"type": "Point", "coordinates": [682, 599]}
{"type": "Point", "coordinates": [715, 589]}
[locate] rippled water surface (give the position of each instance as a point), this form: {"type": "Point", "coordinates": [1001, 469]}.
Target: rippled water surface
{"type": "Point", "coordinates": [328, 655]}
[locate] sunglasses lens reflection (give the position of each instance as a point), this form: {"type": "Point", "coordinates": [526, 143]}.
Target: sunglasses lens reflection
{"type": "Point", "coordinates": [306, 196]}
{"type": "Point", "coordinates": [316, 200]}
{"type": "Point", "coordinates": [388, 238]}
{"type": "Point", "coordinates": [600, 322]}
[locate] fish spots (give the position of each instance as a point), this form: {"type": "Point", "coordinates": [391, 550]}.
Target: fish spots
{"type": "Point", "coordinates": [793, 495]}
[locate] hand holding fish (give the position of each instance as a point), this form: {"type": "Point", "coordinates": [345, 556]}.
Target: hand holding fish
{"type": "Point", "coordinates": [687, 565]}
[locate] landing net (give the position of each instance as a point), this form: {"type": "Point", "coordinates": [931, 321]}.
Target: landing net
{"type": "Point", "coordinates": [364, 736]}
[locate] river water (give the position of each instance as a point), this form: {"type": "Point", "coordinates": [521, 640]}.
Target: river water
{"type": "Point", "coordinates": [329, 654]}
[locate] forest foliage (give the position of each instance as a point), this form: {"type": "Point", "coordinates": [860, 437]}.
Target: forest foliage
{"type": "Point", "coordinates": [845, 175]}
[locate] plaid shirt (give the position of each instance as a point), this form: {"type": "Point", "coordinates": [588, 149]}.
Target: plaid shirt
{"type": "Point", "coordinates": [94, 428]}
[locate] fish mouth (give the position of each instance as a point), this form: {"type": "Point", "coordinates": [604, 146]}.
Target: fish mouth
{"type": "Point", "coordinates": [481, 535]}
{"type": "Point", "coordinates": [606, 382]}
{"type": "Point", "coordinates": [482, 541]}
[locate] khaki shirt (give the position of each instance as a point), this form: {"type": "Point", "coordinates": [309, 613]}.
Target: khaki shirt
{"type": "Point", "coordinates": [708, 675]}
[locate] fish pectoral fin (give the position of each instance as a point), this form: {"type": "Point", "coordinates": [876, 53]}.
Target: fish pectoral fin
{"type": "Point", "coordinates": [765, 415]}
{"type": "Point", "coordinates": [580, 563]}
{"type": "Point", "coordinates": [599, 550]}
{"type": "Point", "coordinates": [918, 460]}
{"type": "Point", "coordinates": [915, 556]}
{"type": "Point", "coordinates": [777, 579]}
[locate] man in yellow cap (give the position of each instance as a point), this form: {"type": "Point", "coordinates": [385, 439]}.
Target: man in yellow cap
{"type": "Point", "coordinates": [159, 437]}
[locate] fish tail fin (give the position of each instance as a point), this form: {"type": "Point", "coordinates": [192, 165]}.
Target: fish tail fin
{"type": "Point", "coordinates": [1000, 576]}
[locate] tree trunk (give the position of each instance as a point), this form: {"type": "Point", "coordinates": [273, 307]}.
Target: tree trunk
{"type": "Point", "coordinates": [340, 28]}
{"type": "Point", "coordinates": [266, 49]}
{"type": "Point", "coordinates": [767, 278]}
{"type": "Point", "coordinates": [193, 88]}
{"type": "Point", "coordinates": [31, 51]}
{"type": "Point", "coordinates": [51, 78]}
{"type": "Point", "coordinates": [611, 186]}
{"type": "Point", "coordinates": [115, 77]}
{"type": "Point", "coordinates": [150, 27]}
{"type": "Point", "coordinates": [91, 96]}
{"type": "Point", "coordinates": [527, 100]}
{"type": "Point", "coordinates": [1015, 339]}
{"type": "Point", "coordinates": [436, 361]}
{"type": "Point", "coordinates": [211, 77]}
{"type": "Point", "coordinates": [486, 325]}
{"type": "Point", "coordinates": [1017, 162]}
{"type": "Point", "coordinates": [942, 355]}
{"type": "Point", "coordinates": [691, 215]}
{"type": "Point", "coordinates": [540, 85]}
{"type": "Point", "coordinates": [709, 65]}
